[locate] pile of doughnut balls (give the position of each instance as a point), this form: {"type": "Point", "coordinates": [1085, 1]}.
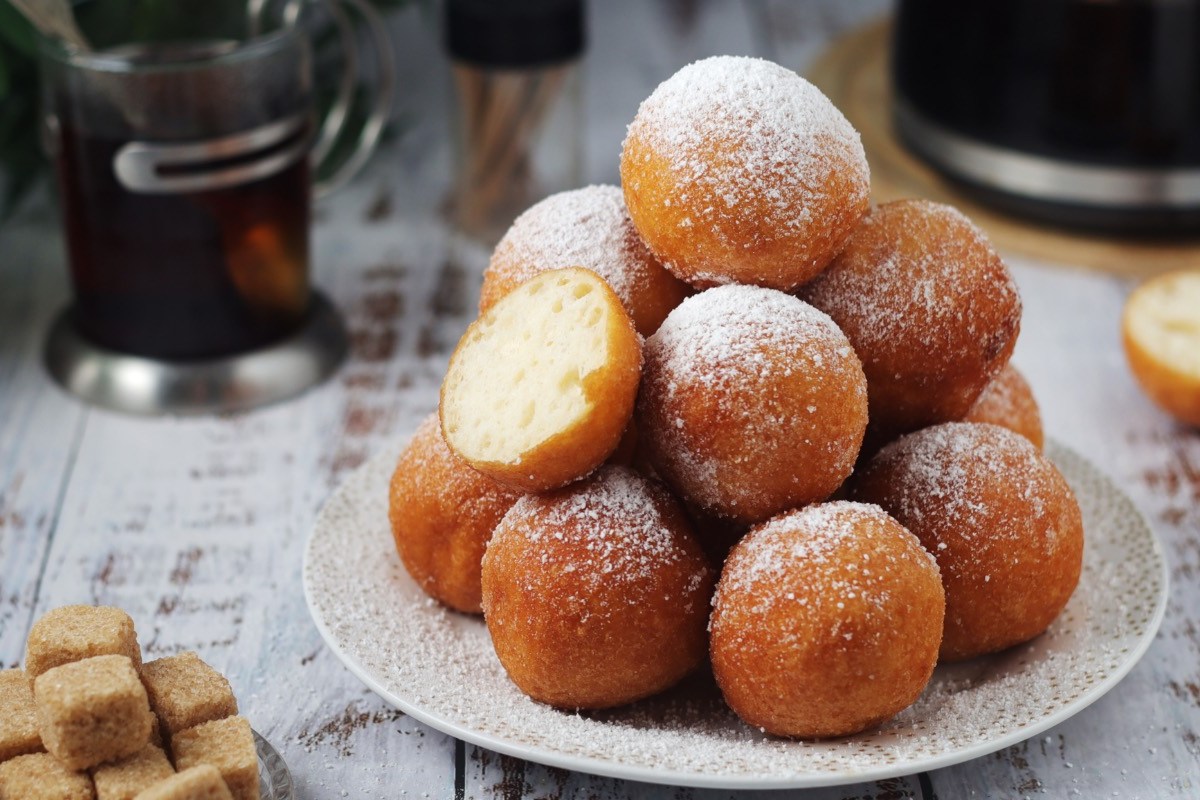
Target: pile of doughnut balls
{"type": "Point", "coordinates": [730, 414]}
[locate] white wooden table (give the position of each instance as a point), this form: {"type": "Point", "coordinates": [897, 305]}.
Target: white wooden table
{"type": "Point", "coordinates": [196, 526]}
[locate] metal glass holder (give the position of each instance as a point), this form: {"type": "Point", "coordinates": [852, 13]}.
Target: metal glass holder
{"type": "Point", "coordinates": [140, 385]}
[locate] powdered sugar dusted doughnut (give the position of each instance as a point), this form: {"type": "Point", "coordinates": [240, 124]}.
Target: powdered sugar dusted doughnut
{"type": "Point", "coordinates": [1000, 519]}
{"type": "Point", "coordinates": [1008, 402]}
{"type": "Point", "coordinates": [597, 594]}
{"type": "Point", "coordinates": [442, 514]}
{"type": "Point", "coordinates": [739, 170]}
{"type": "Point", "coordinates": [752, 402]}
{"type": "Point", "coordinates": [930, 308]}
{"type": "Point", "coordinates": [587, 228]}
{"type": "Point", "coordinates": [826, 621]}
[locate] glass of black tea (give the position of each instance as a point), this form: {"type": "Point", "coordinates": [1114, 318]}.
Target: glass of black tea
{"type": "Point", "coordinates": [183, 166]}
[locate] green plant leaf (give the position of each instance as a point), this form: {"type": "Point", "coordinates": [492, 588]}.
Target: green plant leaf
{"type": "Point", "coordinates": [16, 30]}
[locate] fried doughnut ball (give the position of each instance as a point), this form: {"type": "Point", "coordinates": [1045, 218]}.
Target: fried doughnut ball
{"type": "Point", "coordinates": [737, 170]}
{"type": "Point", "coordinates": [1000, 519]}
{"type": "Point", "coordinates": [442, 514]}
{"type": "Point", "coordinates": [930, 308]}
{"type": "Point", "coordinates": [587, 228]}
{"type": "Point", "coordinates": [752, 402]}
{"type": "Point", "coordinates": [826, 621]}
{"type": "Point", "coordinates": [541, 388]}
{"type": "Point", "coordinates": [597, 595]}
{"type": "Point", "coordinates": [1008, 402]}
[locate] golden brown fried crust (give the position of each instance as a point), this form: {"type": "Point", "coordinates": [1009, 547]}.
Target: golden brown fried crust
{"type": "Point", "coordinates": [930, 308]}
{"type": "Point", "coordinates": [1008, 402]}
{"type": "Point", "coordinates": [745, 444]}
{"type": "Point", "coordinates": [830, 644]}
{"type": "Point", "coordinates": [999, 518]}
{"type": "Point", "coordinates": [584, 614]}
{"type": "Point", "coordinates": [442, 514]}
{"type": "Point", "coordinates": [745, 247]}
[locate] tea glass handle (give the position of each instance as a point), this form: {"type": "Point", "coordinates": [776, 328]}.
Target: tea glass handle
{"type": "Point", "coordinates": [335, 119]}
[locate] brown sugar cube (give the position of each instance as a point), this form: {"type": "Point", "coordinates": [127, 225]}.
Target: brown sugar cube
{"type": "Point", "coordinates": [156, 734]}
{"type": "Point", "coordinates": [42, 777]}
{"type": "Point", "coordinates": [198, 783]}
{"type": "Point", "coordinates": [124, 779]}
{"type": "Point", "coordinates": [18, 716]}
{"type": "Point", "coordinates": [92, 711]}
{"type": "Point", "coordinates": [73, 633]}
{"type": "Point", "coordinates": [228, 745]}
{"type": "Point", "coordinates": [185, 692]}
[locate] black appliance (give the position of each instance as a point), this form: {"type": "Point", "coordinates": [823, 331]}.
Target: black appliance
{"type": "Point", "coordinates": [1080, 112]}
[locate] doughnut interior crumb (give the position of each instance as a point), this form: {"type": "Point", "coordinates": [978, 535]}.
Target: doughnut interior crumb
{"type": "Point", "coordinates": [497, 407]}
{"type": "Point", "coordinates": [1164, 318]}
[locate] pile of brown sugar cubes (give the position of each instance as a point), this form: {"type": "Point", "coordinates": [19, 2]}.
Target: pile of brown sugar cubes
{"type": "Point", "coordinates": [87, 720]}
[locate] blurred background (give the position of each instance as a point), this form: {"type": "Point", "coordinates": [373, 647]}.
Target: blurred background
{"type": "Point", "coordinates": [628, 47]}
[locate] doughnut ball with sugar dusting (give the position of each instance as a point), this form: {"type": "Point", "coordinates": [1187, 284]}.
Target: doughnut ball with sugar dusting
{"type": "Point", "coordinates": [588, 228]}
{"type": "Point", "coordinates": [442, 514]}
{"type": "Point", "coordinates": [597, 595]}
{"type": "Point", "coordinates": [930, 308]}
{"type": "Point", "coordinates": [826, 621]}
{"type": "Point", "coordinates": [752, 402]}
{"type": "Point", "coordinates": [541, 388]}
{"type": "Point", "coordinates": [737, 170]}
{"type": "Point", "coordinates": [999, 518]}
{"type": "Point", "coordinates": [1008, 402]}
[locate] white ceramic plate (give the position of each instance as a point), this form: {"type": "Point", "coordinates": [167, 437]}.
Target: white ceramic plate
{"type": "Point", "coordinates": [438, 666]}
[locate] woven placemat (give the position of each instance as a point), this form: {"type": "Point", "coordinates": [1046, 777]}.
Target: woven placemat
{"type": "Point", "coordinates": [854, 73]}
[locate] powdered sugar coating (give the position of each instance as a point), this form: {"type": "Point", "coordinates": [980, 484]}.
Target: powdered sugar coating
{"type": "Point", "coordinates": [794, 558]}
{"type": "Point", "coordinates": [614, 531]}
{"type": "Point", "coordinates": [940, 480]}
{"type": "Point", "coordinates": [440, 666]}
{"type": "Point", "coordinates": [737, 169]}
{"type": "Point", "coordinates": [1000, 519]}
{"type": "Point", "coordinates": [597, 594]}
{"type": "Point", "coordinates": [752, 402]}
{"type": "Point", "coordinates": [589, 228]}
{"type": "Point", "coordinates": [826, 621]}
{"type": "Point", "coordinates": [929, 306]}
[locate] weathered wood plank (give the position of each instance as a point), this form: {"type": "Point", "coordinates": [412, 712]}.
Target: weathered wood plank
{"type": "Point", "coordinates": [490, 775]}
{"type": "Point", "coordinates": [39, 426]}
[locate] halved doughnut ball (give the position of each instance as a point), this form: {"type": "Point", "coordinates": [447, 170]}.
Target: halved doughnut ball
{"type": "Point", "coordinates": [597, 595]}
{"type": "Point", "coordinates": [442, 514]}
{"type": "Point", "coordinates": [1160, 329]}
{"type": "Point", "coordinates": [826, 621]}
{"type": "Point", "coordinates": [929, 307]}
{"type": "Point", "coordinates": [588, 228]}
{"type": "Point", "coordinates": [752, 402]}
{"type": "Point", "coordinates": [1008, 402]}
{"type": "Point", "coordinates": [999, 518]}
{"type": "Point", "coordinates": [541, 387]}
{"type": "Point", "coordinates": [737, 170]}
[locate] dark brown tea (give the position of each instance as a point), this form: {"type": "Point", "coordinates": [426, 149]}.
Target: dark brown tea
{"type": "Point", "coordinates": [182, 275]}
